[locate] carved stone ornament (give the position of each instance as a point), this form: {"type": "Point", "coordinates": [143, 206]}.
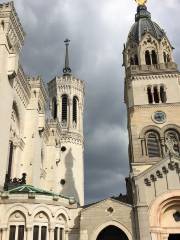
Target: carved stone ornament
{"type": "Point", "coordinates": [170, 144]}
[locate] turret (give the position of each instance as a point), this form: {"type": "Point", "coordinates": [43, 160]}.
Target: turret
{"type": "Point", "coordinates": [67, 106]}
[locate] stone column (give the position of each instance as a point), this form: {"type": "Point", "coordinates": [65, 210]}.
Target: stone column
{"type": "Point", "coordinates": [4, 234]}
{"type": "Point", "coordinates": [143, 222]}
{"type": "Point", "coordinates": [66, 235]}
{"type": "Point", "coordinates": [51, 233]}
{"type": "Point", "coordinates": [29, 232]}
{"type": "Point", "coordinates": [70, 114]}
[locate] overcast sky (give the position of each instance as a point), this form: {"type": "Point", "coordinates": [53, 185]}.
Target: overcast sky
{"type": "Point", "coordinates": [97, 30]}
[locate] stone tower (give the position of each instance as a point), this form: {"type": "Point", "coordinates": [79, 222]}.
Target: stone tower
{"type": "Point", "coordinates": [11, 41]}
{"type": "Point", "coordinates": [152, 96]}
{"type": "Point", "coordinates": [67, 105]}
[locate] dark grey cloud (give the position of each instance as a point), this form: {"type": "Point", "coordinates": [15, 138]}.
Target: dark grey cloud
{"type": "Point", "coordinates": [97, 30]}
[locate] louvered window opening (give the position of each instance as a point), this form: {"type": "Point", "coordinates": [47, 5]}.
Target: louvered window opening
{"type": "Point", "coordinates": [40, 233]}
{"type": "Point", "coordinates": [75, 101]}
{"type": "Point", "coordinates": [16, 232]}
{"type": "Point", "coordinates": [156, 94]}
{"type": "Point", "coordinates": [54, 103]}
{"type": "Point", "coordinates": [64, 108]}
{"type": "Point", "coordinates": [58, 233]}
{"type": "Point", "coordinates": [153, 145]}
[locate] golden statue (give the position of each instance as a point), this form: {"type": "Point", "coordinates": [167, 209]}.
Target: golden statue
{"type": "Point", "coordinates": [141, 2]}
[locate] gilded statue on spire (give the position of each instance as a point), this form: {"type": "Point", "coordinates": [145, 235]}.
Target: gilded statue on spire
{"type": "Point", "coordinates": [141, 2]}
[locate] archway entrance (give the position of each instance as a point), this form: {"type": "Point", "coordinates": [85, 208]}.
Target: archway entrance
{"type": "Point", "coordinates": [112, 233]}
{"type": "Point", "coordinates": [174, 237]}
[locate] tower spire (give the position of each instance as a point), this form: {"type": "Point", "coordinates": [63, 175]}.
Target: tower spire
{"type": "Point", "coordinates": [67, 69]}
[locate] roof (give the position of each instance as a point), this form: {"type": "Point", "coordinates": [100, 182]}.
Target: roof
{"type": "Point", "coordinates": [143, 24]}
{"type": "Point", "coordinates": [24, 189]}
{"type": "Point", "coordinates": [123, 199]}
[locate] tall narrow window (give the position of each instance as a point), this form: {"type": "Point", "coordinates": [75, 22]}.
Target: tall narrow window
{"type": "Point", "coordinates": [156, 95]}
{"type": "Point", "coordinates": [21, 232]}
{"type": "Point", "coordinates": [11, 149]}
{"type": "Point", "coordinates": [56, 233]}
{"type": "Point", "coordinates": [54, 108]}
{"type": "Point", "coordinates": [150, 96]}
{"type": "Point", "coordinates": [36, 233]}
{"type": "Point", "coordinates": [64, 108]}
{"type": "Point", "coordinates": [61, 234]}
{"type": "Point", "coordinates": [43, 232]}
{"type": "Point", "coordinates": [165, 57]}
{"type": "Point", "coordinates": [163, 94]}
{"type": "Point", "coordinates": [153, 145]}
{"type": "Point", "coordinates": [75, 105]}
{"type": "Point", "coordinates": [12, 233]}
{"type": "Point", "coordinates": [154, 57]}
{"type": "Point", "coordinates": [136, 61]}
{"type": "Point", "coordinates": [147, 58]}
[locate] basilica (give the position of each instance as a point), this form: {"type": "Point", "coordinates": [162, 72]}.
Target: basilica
{"type": "Point", "coordinates": [42, 144]}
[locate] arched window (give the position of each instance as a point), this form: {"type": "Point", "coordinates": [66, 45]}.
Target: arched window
{"type": "Point", "coordinates": [54, 108]}
{"type": "Point", "coordinates": [156, 95]}
{"type": "Point", "coordinates": [150, 96]}
{"type": "Point", "coordinates": [17, 226]}
{"type": "Point", "coordinates": [163, 94]}
{"type": "Point", "coordinates": [147, 58]}
{"type": "Point", "coordinates": [59, 232]}
{"type": "Point", "coordinates": [75, 107]}
{"type": "Point", "coordinates": [136, 61]}
{"type": "Point", "coordinates": [165, 57]}
{"type": "Point", "coordinates": [173, 136]}
{"type": "Point", "coordinates": [154, 57]}
{"type": "Point", "coordinates": [64, 108]}
{"type": "Point", "coordinates": [40, 229]}
{"type": "Point", "coordinates": [153, 144]}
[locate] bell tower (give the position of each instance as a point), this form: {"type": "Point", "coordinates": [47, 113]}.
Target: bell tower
{"type": "Point", "coordinates": [152, 97]}
{"type": "Point", "coordinates": [67, 105]}
{"type": "Point", "coordinates": [152, 91]}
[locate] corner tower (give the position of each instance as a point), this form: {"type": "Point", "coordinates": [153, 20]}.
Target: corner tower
{"type": "Point", "coordinates": [67, 106]}
{"type": "Point", "coordinates": [152, 91]}
{"type": "Point", "coordinates": [152, 96]}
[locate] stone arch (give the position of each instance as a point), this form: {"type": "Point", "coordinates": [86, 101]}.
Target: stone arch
{"type": "Point", "coordinates": [171, 126]}
{"type": "Point", "coordinates": [45, 209]}
{"type": "Point", "coordinates": [63, 211]}
{"type": "Point", "coordinates": [110, 223]}
{"type": "Point", "coordinates": [150, 128]}
{"type": "Point", "coordinates": [162, 215]}
{"type": "Point", "coordinates": [15, 208]}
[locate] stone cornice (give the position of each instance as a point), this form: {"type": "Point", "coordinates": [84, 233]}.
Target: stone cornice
{"type": "Point", "coordinates": [153, 76]}
{"type": "Point", "coordinates": [172, 105]}
{"type": "Point", "coordinates": [22, 87]}
{"type": "Point", "coordinates": [73, 138]}
{"type": "Point", "coordinates": [37, 82]}
{"type": "Point", "coordinates": [14, 29]}
{"type": "Point", "coordinates": [66, 82]}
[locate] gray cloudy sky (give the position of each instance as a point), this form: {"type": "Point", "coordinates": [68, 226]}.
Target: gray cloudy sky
{"type": "Point", "coordinates": [97, 29]}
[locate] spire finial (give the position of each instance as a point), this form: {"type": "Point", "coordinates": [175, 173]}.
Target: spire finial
{"type": "Point", "coordinates": [141, 2]}
{"type": "Point", "coordinates": [67, 69]}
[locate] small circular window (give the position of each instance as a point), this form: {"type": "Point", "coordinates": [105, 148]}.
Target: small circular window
{"type": "Point", "coordinates": [63, 148]}
{"type": "Point", "coordinates": [62, 182]}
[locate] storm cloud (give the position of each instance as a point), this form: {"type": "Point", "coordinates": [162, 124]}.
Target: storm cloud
{"type": "Point", "coordinates": [97, 30]}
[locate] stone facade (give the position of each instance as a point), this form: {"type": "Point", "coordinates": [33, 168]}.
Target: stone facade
{"type": "Point", "coordinates": [45, 145]}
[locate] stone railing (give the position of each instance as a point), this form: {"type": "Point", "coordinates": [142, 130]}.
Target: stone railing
{"type": "Point", "coordinates": [141, 69]}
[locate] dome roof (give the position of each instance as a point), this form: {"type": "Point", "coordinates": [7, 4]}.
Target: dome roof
{"type": "Point", "coordinates": [143, 25]}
